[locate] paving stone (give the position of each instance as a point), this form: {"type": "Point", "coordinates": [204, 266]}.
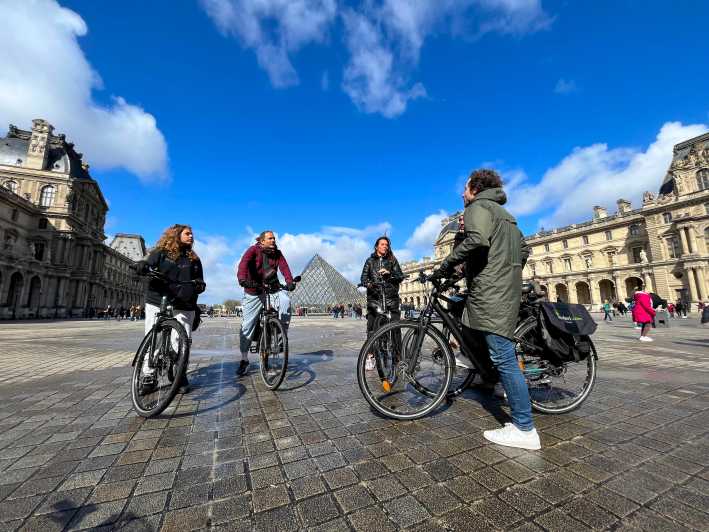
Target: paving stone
{"type": "Point", "coordinates": [406, 511]}
{"type": "Point", "coordinates": [278, 520]}
{"type": "Point", "coordinates": [54, 522]}
{"type": "Point", "coordinates": [268, 498]}
{"type": "Point", "coordinates": [305, 487]}
{"type": "Point", "coordinates": [318, 510]}
{"type": "Point", "coordinates": [111, 491]}
{"type": "Point", "coordinates": [591, 514]}
{"type": "Point", "coordinates": [353, 498]}
{"type": "Point", "coordinates": [229, 486]}
{"type": "Point", "coordinates": [18, 508]}
{"type": "Point", "coordinates": [231, 508]}
{"type": "Point", "coordinates": [191, 518]}
{"type": "Point", "coordinates": [269, 476]}
{"type": "Point", "coordinates": [385, 488]}
{"type": "Point", "coordinates": [95, 515]}
{"type": "Point", "coordinates": [371, 519]}
{"type": "Point", "coordinates": [338, 478]}
{"type": "Point", "coordinates": [192, 496]}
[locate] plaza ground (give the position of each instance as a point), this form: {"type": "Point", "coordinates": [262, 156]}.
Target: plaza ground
{"type": "Point", "coordinates": [232, 455]}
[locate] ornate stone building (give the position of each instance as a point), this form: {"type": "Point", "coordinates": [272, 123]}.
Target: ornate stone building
{"type": "Point", "coordinates": [53, 262]}
{"type": "Point", "coordinates": [662, 245]}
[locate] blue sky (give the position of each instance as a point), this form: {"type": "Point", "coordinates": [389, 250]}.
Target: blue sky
{"type": "Point", "coordinates": [331, 121]}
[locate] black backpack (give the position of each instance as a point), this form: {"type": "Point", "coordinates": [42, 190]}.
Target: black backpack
{"type": "Point", "coordinates": [565, 331]}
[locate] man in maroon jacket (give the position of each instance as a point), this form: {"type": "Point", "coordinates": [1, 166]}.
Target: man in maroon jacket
{"type": "Point", "coordinates": [258, 267]}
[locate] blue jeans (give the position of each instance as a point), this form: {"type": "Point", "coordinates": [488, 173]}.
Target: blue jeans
{"type": "Point", "coordinates": [251, 307]}
{"type": "Point", "coordinates": [502, 354]}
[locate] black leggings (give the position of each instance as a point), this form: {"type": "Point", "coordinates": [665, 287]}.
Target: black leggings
{"type": "Point", "coordinates": [372, 316]}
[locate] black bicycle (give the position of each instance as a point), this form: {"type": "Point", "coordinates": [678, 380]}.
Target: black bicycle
{"type": "Point", "coordinates": [159, 361]}
{"type": "Point", "coordinates": [271, 339]}
{"type": "Point", "coordinates": [424, 366]}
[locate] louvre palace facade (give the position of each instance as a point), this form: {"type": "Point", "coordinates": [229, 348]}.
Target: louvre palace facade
{"type": "Point", "coordinates": [662, 245]}
{"type": "Point", "coordinates": [53, 260]}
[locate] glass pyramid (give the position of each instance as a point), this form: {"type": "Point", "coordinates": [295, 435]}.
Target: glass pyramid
{"type": "Point", "coordinates": [322, 286]}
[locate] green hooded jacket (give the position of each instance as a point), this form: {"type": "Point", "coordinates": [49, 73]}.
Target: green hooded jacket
{"type": "Point", "coordinates": [494, 253]}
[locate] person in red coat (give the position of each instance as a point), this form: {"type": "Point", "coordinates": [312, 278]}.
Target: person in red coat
{"type": "Point", "coordinates": [643, 313]}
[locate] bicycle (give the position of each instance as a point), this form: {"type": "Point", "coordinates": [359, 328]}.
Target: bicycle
{"type": "Point", "coordinates": [425, 365]}
{"type": "Point", "coordinates": [271, 340]}
{"type": "Point", "coordinates": [167, 347]}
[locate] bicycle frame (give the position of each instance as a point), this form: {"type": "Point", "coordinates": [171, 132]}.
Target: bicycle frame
{"type": "Point", "coordinates": [164, 313]}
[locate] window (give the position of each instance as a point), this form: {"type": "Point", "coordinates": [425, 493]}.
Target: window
{"type": "Point", "coordinates": [588, 261]}
{"type": "Point", "coordinates": [46, 196]}
{"type": "Point", "coordinates": [585, 240]}
{"type": "Point", "coordinates": [565, 243]}
{"type": "Point", "coordinates": [567, 265]}
{"type": "Point", "coordinates": [703, 179]}
{"type": "Point", "coordinates": [674, 250]}
{"type": "Point", "coordinates": [667, 217]}
{"type": "Point", "coordinates": [43, 223]}
{"type": "Point", "coordinates": [609, 235]}
{"type": "Point", "coordinates": [546, 247]}
{"type": "Point", "coordinates": [611, 258]}
{"type": "Point", "coordinates": [636, 254]}
{"type": "Point", "coordinates": [39, 250]}
{"type": "Point", "coordinates": [15, 215]}
{"type": "Point", "coordinates": [11, 186]}
{"type": "Point", "coordinates": [550, 268]}
{"type": "Point", "coordinates": [634, 230]}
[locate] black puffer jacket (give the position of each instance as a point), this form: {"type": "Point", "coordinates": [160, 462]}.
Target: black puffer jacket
{"type": "Point", "coordinates": [181, 293]}
{"type": "Point", "coordinates": [370, 275]}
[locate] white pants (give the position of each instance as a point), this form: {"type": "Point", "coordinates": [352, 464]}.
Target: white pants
{"type": "Point", "coordinates": [184, 317]}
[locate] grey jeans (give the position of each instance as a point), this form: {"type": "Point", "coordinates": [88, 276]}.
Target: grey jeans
{"type": "Point", "coordinates": [251, 307]}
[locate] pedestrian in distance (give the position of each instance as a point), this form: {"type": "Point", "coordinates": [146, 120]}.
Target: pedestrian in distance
{"type": "Point", "coordinates": [607, 311]}
{"type": "Point", "coordinates": [643, 313]}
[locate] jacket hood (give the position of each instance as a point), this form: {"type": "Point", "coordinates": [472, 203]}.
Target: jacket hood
{"type": "Point", "coordinates": [493, 194]}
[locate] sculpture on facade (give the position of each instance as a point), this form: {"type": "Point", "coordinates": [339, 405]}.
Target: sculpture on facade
{"type": "Point", "coordinates": [643, 257]}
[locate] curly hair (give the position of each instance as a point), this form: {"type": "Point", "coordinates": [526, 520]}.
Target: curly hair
{"type": "Point", "coordinates": [169, 242]}
{"type": "Point", "coordinates": [483, 179]}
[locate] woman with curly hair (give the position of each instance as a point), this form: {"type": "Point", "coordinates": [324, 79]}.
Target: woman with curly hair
{"type": "Point", "coordinates": [175, 259]}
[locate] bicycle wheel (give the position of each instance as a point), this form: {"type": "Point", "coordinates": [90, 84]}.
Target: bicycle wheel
{"type": "Point", "coordinates": [152, 389]}
{"type": "Point", "coordinates": [552, 389]}
{"type": "Point", "coordinates": [401, 397]}
{"type": "Point", "coordinates": [273, 349]}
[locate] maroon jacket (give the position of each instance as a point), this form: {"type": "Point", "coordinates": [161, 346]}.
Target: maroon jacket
{"type": "Point", "coordinates": [251, 267]}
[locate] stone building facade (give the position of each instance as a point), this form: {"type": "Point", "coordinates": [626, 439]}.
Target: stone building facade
{"type": "Point", "coordinates": [53, 260]}
{"type": "Point", "coordinates": [662, 245]}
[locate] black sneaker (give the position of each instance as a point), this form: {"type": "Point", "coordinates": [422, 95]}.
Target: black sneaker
{"type": "Point", "coordinates": [148, 385]}
{"type": "Point", "coordinates": [243, 366]}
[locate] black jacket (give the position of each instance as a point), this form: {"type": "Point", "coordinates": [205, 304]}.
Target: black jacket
{"type": "Point", "coordinates": [181, 293]}
{"type": "Point", "coordinates": [370, 275]}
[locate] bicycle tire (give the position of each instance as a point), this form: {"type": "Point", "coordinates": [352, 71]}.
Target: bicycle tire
{"type": "Point", "coordinates": [272, 355]}
{"type": "Point", "coordinates": [529, 326]}
{"type": "Point", "coordinates": [436, 399]}
{"type": "Point", "coordinates": [163, 401]}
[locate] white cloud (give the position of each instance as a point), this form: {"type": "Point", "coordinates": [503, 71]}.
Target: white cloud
{"type": "Point", "coordinates": [564, 86]}
{"type": "Point", "coordinates": [274, 29]}
{"type": "Point", "coordinates": [598, 175]}
{"type": "Point", "coordinates": [45, 74]}
{"type": "Point", "coordinates": [426, 233]}
{"type": "Point", "coordinates": [384, 37]}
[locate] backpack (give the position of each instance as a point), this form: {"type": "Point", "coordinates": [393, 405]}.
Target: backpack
{"type": "Point", "coordinates": [565, 332]}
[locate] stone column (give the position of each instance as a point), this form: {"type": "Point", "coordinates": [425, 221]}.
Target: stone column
{"type": "Point", "coordinates": [691, 239]}
{"type": "Point", "coordinates": [571, 290]}
{"type": "Point", "coordinates": [616, 285]}
{"type": "Point", "coordinates": [702, 282]}
{"type": "Point", "coordinates": [595, 292]}
{"type": "Point", "coordinates": [683, 238]}
{"type": "Point", "coordinates": [689, 273]}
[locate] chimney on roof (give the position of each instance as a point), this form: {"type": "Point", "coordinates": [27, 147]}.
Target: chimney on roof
{"type": "Point", "coordinates": [624, 206]}
{"type": "Point", "coordinates": [599, 212]}
{"type": "Point", "coordinates": [39, 143]}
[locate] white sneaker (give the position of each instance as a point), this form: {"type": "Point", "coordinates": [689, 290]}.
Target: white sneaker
{"type": "Point", "coordinates": [499, 391]}
{"type": "Point", "coordinates": [645, 339]}
{"type": "Point", "coordinates": [637, 328]}
{"type": "Point", "coordinates": [369, 364]}
{"type": "Point", "coordinates": [462, 362]}
{"type": "Point", "coordinates": [511, 436]}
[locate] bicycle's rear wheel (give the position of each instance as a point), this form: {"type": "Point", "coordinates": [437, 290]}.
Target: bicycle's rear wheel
{"type": "Point", "coordinates": [273, 350]}
{"type": "Point", "coordinates": [411, 393]}
{"type": "Point", "coordinates": [553, 389]}
{"type": "Point", "coordinates": [169, 358]}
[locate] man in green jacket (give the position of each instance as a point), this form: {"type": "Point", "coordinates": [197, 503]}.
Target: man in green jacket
{"type": "Point", "coordinates": [494, 253]}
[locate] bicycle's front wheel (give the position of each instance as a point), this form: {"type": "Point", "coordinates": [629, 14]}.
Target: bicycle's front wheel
{"type": "Point", "coordinates": [410, 391]}
{"type": "Point", "coordinates": [553, 389]}
{"type": "Point", "coordinates": [155, 382]}
{"type": "Point", "coordinates": [273, 350]}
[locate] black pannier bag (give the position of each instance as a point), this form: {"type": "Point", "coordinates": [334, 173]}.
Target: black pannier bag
{"type": "Point", "coordinates": [565, 330]}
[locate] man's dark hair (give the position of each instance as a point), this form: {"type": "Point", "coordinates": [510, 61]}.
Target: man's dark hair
{"type": "Point", "coordinates": [483, 179]}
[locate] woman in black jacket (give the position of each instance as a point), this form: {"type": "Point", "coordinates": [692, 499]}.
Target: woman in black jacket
{"type": "Point", "coordinates": [382, 272]}
{"type": "Point", "coordinates": [175, 259]}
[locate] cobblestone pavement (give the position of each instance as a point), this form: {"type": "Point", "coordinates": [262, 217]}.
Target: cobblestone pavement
{"type": "Point", "coordinates": [232, 455]}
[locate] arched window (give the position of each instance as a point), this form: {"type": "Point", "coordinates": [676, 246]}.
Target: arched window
{"type": "Point", "coordinates": [11, 186]}
{"type": "Point", "coordinates": [703, 179]}
{"type": "Point", "coordinates": [46, 196]}
{"type": "Point", "coordinates": [634, 230]}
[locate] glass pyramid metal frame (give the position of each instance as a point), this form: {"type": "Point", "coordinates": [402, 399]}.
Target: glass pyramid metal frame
{"type": "Point", "coordinates": [322, 286]}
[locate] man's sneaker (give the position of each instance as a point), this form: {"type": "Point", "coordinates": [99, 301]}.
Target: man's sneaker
{"type": "Point", "coordinates": [369, 364]}
{"type": "Point", "coordinates": [645, 339]}
{"type": "Point", "coordinates": [148, 384]}
{"type": "Point", "coordinates": [243, 366]}
{"type": "Point", "coordinates": [511, 436]}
